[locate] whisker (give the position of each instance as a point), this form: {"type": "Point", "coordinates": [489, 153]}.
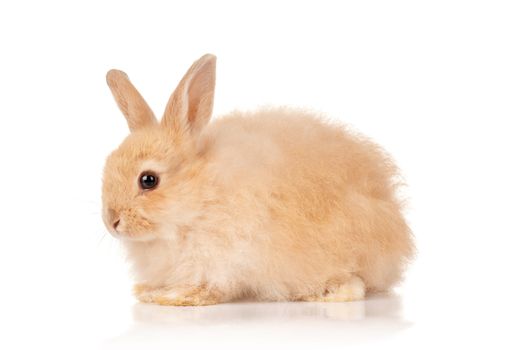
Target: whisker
{"type": "Point", "coordinates": [102, 237]}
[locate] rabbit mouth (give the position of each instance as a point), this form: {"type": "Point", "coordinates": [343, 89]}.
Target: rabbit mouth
{"type": "Point", "coordinates": [129, 236]}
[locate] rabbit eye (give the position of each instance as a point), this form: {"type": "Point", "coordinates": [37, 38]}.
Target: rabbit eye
{"type": "Point", "coordinates": [148, 180]}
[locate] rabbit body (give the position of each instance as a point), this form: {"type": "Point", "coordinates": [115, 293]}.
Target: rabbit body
{"type": "Point", "coordinates": [276, 204]}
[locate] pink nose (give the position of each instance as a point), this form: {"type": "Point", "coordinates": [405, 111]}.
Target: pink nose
{"type": "Point", "coordinates": [112, 218]}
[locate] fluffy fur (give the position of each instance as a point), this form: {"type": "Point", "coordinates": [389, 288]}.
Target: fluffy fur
{"type": "Point", "coordinates": [276, 204]}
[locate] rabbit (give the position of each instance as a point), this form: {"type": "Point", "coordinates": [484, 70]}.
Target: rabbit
{"type": "Point", "coordinates": [277, 204]}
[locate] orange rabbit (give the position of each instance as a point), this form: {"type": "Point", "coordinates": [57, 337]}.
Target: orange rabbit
{"type": "Point", "coordinates": [277, 204]}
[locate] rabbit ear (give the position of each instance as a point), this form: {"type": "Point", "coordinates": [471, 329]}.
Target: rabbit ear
{"type": "Point", "coordinates": [190, 106]}
{"type": "Point", "coordinates": [130, 102]}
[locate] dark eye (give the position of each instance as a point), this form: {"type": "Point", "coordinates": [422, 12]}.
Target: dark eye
{"type": "Point", "coordinates": [148, 180]}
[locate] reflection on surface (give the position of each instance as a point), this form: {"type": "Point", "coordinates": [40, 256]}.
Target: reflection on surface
{"type": "Point", "coordinates": [257, 312]}
{"type": "Point", "coordinates": [375, 318]}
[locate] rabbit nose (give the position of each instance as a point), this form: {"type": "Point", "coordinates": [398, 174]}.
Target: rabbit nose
{"type": "Point", "coordinates": [113, 218]}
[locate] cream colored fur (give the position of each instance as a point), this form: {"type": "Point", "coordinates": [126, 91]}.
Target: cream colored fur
{"type": "Point", "coordinates": [276, 204]}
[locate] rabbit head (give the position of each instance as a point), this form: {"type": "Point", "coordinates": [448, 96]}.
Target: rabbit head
{"type": "Point", "coordinates": [158, 161]}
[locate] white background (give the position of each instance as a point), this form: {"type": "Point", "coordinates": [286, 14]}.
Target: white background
{"type": "Point", "coordinates": [441, 85]}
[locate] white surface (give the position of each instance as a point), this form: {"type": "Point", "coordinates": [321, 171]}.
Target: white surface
{"type": "Point", "coordinates": [442, 86]}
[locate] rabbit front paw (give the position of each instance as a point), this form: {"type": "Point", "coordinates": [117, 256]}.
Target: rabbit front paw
{"type": "Point", "coordinates": [178, 296]}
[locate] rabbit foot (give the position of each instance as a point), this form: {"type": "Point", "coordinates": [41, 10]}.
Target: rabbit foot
{"type": "Point", "coordinates": [195, 296]}
{"type": "Point", "coordinates": [353, 289]}
{"type": "Point", "coordinates": [141, 288]}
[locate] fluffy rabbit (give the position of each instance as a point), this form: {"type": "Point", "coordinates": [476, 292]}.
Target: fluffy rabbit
{"type": "Point", "coordinates": [276, 204]}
